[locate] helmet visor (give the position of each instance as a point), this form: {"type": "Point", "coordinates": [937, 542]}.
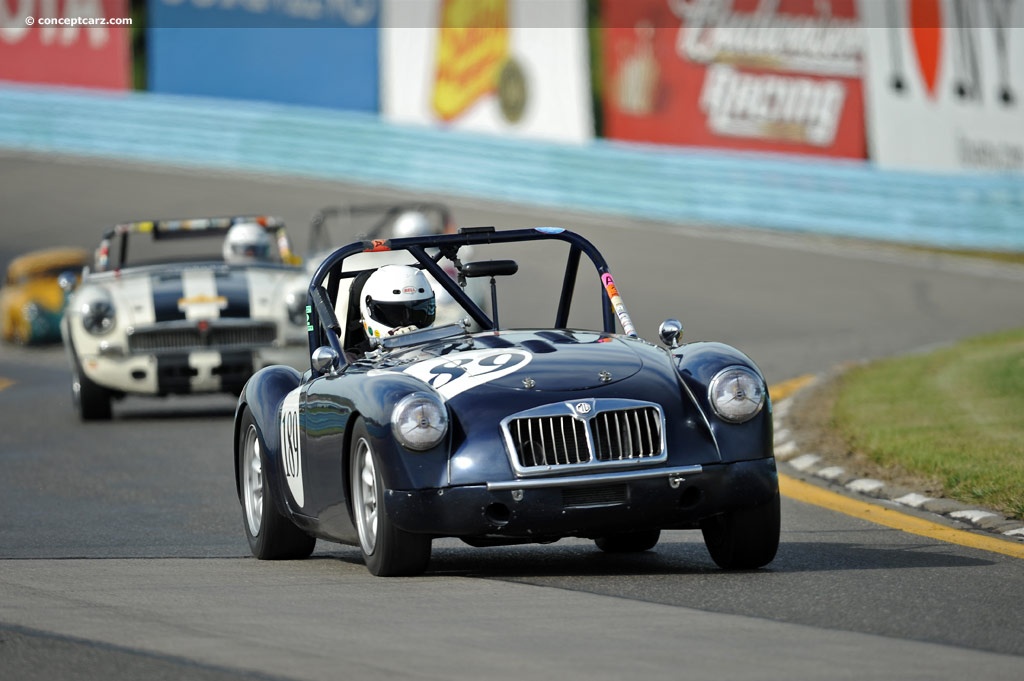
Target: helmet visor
{"type": "Point", "coordinates": [251, 250]}
{"type": "Point", "coordinates": [418, 313]}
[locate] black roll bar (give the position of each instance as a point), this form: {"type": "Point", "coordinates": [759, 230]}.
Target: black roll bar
{"type": "Point", "coordinates": [329, 274]}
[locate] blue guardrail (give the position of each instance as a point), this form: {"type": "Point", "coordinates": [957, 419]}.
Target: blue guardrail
{"type": "Point", "coordinates": [684, 185]}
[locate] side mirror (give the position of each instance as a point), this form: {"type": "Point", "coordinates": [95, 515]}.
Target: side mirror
{"type": "Point", "coordinates": [490, 268]}
{"type": "Point", "coordinates": [325, 359]}
{"type": "Point", "coordinates": [670, 332]}
{"type": "Point", "coordinates": [67, 281]}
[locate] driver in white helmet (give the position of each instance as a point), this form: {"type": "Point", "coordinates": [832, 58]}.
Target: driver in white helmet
{"type": "Point", "coordinates": [396, 299]}
{"type": "Point", "coordinates": [246, 242]}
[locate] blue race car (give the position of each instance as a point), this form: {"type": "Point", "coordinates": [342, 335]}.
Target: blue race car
{"type": "Point", "coordinates": [403, 431]}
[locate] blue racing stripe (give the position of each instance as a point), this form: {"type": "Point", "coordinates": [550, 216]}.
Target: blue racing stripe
{"type": "Point", "coordinates": [167, 292]}
{"type": "Point", "coordinates": [234, 286]}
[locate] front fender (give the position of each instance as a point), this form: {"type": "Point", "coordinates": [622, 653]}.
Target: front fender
{"type": "Point", "coordinates": [697, 364]}
{"type": "Point", "coordinates": [401, 468]}
{"type": "Point", "coordinates": [263, 394]}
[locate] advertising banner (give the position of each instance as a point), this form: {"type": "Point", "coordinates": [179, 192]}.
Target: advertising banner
{"type": "Point", "coordinates": [759, 75]}
{"type": "Point", "coordinates": [82, 43]}
{"type": "Point", "coordinates": [313, 52]}
{"type": "Point", "coordinates": [517, 68]}
{"type": "Point", "coordinates": [945, 82]}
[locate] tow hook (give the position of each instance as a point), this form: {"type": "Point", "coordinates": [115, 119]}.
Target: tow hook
{"type": "Point", "coordinates": [674, 481]}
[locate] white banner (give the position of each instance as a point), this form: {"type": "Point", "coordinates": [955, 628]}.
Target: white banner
{"type": "Point", "coordinates": [945, 84]}
{"type": "Point", "coordinates": [515, 68]}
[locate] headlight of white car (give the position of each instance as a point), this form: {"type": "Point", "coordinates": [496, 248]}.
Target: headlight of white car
{"type": "Point", "coordinates": [96, 307]}
{"type": "Point", "coordinates": [419, 421]}
{"type": "Point", "coordinates": [737, 394]}
{"type": "Point", "coordinates": [295, 302]}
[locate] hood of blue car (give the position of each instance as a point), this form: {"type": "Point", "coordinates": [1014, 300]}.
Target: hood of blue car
{"type": "Point", "coordinates": [543, 361]}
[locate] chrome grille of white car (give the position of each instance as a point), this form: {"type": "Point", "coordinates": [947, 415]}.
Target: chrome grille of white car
{"type": "Point", "coordinates": [587, 433]}
{"type": "Point", "coordinates": [182, 338]}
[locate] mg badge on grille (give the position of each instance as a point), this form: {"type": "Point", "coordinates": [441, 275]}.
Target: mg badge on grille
{"type": "Point", "coordinates": [583, 407]}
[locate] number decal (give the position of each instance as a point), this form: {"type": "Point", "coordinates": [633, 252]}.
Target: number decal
{"type": "Point", "coordinates": [291, 445]}
{"type": "Point", "coordinates": [441, 374]}
{"type": "Point", "coordinates": [290, 450]}
{"type": "Point", "coordinates": [456, 373]}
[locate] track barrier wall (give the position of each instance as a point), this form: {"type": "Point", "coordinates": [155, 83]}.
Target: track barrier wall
{"type": "Point", "coordinates": [847, 198]}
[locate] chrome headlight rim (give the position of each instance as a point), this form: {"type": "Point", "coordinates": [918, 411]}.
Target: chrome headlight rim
{"type": "Point", "coordinates": [98, 313]}
{"type": "Point", "coordinates": [419, 421]}
{"type": "Point", "coordinates": [737, 394]}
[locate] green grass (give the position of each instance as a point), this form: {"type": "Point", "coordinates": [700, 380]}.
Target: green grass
{"type": "Point", "coordinates": [954, 416]}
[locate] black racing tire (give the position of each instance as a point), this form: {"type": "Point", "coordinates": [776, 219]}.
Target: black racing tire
{"type": "Point", "coordinates": [387, 550]}
{"type": "Point", "coordinates": [271, 535]}
{"type": "Point", "coordinates": [744, 538]}
{"type": "Point", "coordinates": [629, 542]}
{"type": "Point", "coordinates": [91, 401]}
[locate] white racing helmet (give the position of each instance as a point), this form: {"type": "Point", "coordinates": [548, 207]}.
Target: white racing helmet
{"type": "Point", "coordinates": [396, 298]}
{"type": "Point", "coordinates": [412, 223]}
{"type": "Point", "coordinates": [246, 242]}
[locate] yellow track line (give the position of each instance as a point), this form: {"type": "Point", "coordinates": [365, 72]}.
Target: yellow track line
{"type": "Point", "coordinates": [881, 515]}
{"type": "Point", "coordinates": [807, 493]}
{"type": "Point", "coordinates": [781, 391]}
{"type": "Point", "coordinates": [5, 382]}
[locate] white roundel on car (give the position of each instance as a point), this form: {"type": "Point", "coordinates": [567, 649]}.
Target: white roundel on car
{"type": "Point", "coordinates": [291, 450]}
{"type": "Point", "coordinates": [461, 371]}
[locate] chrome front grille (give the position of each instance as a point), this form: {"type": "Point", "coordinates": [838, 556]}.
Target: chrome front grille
{"type": "Point", "coordinates": [588, 433]}
{"type": "Point", "coordinates": [188, 337]}
{"type": "Point", "coordinates": [626, 434]}
{"type": "Point", "coordinates": [550, 441]}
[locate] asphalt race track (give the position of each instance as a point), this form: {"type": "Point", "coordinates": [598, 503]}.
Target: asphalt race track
{"type": "Point", "coordinates": [122, 554]}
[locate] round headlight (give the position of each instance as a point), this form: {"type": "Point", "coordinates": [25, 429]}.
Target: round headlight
{"type": "Point", "coordinates": [419, 421]}
{"type": "Point", "coordinates": [295, 302]}
{"type": "Point", "coordinates": [97, 310]}
{"type": "Point", "coordinates": [737, 394]}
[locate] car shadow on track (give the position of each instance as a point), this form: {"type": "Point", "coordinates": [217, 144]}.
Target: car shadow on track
{"type": "Point", "coordinates": [673, 557]}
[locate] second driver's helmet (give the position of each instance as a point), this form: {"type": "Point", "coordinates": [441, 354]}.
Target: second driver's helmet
{"type": "Point", "coordinates": [396, 299]}
{"type": "Point", "coordinates": [246, 242]}
{"type": "Point", "coordinates": [412, 223]}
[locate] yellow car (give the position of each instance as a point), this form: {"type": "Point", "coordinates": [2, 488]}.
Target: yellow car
{"type": "Point", "coordinates": [31, 299]}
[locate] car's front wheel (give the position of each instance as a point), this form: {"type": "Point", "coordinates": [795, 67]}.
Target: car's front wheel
{"type": "Point", "coordinates": [387, 550]}
{"type": "Point", "coordinates": [744, 538]}
{"type": "Point", "coordinates": [628, 542]}
{"type": "Point", "coordinates": [92, 401]}
{"type": "Point", "coordinates": [271, 535]}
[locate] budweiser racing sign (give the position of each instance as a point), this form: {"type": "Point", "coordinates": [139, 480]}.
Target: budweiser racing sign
{"type": "Point", "coordinates": [773, 75]}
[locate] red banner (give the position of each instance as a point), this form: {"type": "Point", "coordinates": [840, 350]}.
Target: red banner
{"type": "Point", "coordinates": [66, 42]}
{"type": "Point", "coordinates": [758, 75]}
